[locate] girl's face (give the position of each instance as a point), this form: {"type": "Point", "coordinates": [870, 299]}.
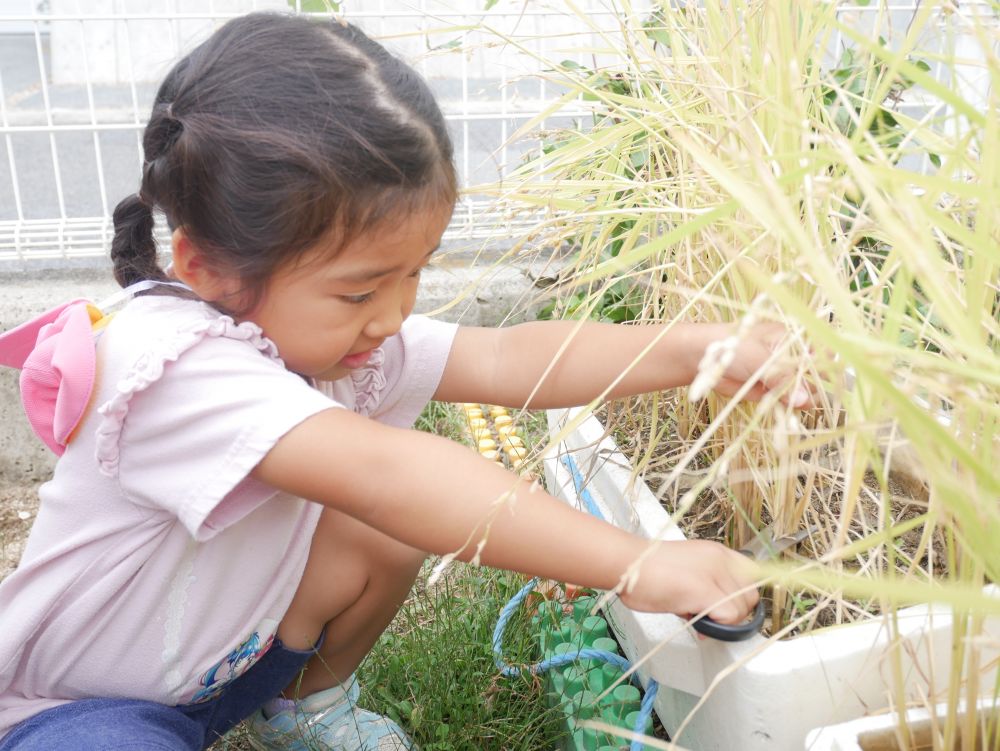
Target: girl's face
{"type": "Point", "coordinates": [326, 314]}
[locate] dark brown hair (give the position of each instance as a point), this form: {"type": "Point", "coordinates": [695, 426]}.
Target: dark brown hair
{"type": "Point", "coordinates": [275, 131]}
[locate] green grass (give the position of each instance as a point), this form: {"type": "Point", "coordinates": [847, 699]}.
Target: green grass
{"type": "Point", "coordinates": [433, 671]}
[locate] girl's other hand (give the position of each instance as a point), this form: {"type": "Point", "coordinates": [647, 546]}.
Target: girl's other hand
{"type": "Point", "coordinates": [691, 577]}
{"type": "Point", "coordinates": [733, 359]}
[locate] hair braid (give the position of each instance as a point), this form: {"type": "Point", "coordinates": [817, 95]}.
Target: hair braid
{"type": "Point", "coordinates": [133, 249]}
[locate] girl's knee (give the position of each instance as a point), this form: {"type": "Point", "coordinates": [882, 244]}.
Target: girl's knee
{"type": "Point", "coordinates": [348, 561]}
{"type": "Point", "coordinates": [404, 559]}
{"type": "Point", "coordinates": [342, 543]}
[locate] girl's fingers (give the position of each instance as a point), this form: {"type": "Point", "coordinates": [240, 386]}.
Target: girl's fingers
{"type": "Point", "coordinates": [734, 596]}
{"type": "Point", "coordinates": [748, 593]}
{"type": "Point", "coordinates": [731, 612]}
{"type": "Point", "coordinates": [800, 395]}
{"type": "Point", "coordinates": [784, 376]}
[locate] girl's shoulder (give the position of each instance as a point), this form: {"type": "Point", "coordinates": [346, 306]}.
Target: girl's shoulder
{"type": "Point", "coordinates": [163, 355]}
{"type": "Point", "coordinates": [168, 324]}
{"type": "Point", "coordinates": [158, 329]}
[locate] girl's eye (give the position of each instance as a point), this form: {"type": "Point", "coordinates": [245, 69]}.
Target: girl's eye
{"type": "Point", "coordinates": [357, 299]}
{"type": "Point", "coordinates": [416, 273]}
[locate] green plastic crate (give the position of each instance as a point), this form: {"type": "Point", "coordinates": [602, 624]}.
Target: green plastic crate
{"type": "Point", "coordinates": [581, 689]}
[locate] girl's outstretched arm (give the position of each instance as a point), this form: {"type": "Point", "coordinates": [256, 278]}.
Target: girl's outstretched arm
{"type": "Point", "coordinates": [565, 363]}
{"type": "Point", "coordinates": [435, 495]}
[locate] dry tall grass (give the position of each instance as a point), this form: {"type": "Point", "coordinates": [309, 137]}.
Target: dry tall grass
{"type": "Point", "coordinates": [755, 160]}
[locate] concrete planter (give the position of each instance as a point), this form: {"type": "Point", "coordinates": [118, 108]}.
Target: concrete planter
{"type": "Point", "coordinates": [879, 733]}
{"type": "Point", "coordinates": [756, 695]}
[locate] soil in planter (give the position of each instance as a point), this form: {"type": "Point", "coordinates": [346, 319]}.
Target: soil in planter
{"type": "Point", "coordinates": [711, 515]}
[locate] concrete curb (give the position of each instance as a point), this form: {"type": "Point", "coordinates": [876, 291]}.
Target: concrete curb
{"type": "Point", "coordinates": [473, 296]}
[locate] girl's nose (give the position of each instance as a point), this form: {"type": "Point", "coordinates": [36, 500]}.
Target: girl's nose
{"type": "Point", "coordinates": [387, 320]}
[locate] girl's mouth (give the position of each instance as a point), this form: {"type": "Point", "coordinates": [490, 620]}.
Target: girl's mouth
{"type": "Point", "coordinates": [356, 360]}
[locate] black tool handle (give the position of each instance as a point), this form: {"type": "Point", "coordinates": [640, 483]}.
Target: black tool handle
{"type": "Point", "coordinates": [725, 632]}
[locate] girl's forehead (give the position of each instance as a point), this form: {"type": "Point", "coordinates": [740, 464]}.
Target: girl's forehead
{"type": "Point", "coordinates": [393, 244]}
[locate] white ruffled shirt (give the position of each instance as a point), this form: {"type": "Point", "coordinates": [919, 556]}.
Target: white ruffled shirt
{"type": "Point", "coordinates": [157, 568]}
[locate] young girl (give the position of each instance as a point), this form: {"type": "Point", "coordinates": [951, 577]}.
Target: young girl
{"type": "Point", "coordinates": [240, 507]}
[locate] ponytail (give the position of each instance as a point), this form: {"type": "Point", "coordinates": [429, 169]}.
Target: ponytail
{"type": "Point", "coordinates": [133, 250]}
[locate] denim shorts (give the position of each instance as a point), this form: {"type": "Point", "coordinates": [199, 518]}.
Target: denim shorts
{"type": "Point", "coordinates": [137, 725]}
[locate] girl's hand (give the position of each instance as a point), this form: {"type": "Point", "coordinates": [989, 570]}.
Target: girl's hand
{"type": "Point", "coordinates": [731, 359]}
{"type": "Point", "coordinates": [692, 576]}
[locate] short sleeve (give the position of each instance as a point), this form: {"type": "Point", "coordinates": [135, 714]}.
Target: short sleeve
{"type": "Point", "coordinates": [187, 439]}
{"type": "Point", "coordinates": [413, 364]}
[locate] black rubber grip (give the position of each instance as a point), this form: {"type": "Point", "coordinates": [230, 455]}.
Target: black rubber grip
{"type": "Point", "coordinates": [725, 632]}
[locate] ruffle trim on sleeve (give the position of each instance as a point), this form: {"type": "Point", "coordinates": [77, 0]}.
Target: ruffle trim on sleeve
{"type": "Point", "coordinates": [149, 368]}
{"type": "Point", "coordinates": [369, 381]}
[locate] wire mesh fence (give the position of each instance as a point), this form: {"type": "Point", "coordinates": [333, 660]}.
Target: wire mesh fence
{"type": "Point", "coordinates": [77, 81]}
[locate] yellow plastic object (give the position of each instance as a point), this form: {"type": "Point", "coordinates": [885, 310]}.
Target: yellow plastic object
{"type": "Point", "coordinates": [510, 440]}
{"type": "Point", "coordinates": [492, 428]}
{"type": "Point", "coordinates": [516, 453]}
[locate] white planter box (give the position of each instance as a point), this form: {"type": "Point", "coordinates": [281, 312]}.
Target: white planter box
{"type": "Point", "coordinates": [879, 733]}
{"type": "Point", "coordinates": [767, 695]}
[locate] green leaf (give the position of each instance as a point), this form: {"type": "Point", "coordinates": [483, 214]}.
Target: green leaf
{"type": "Point", "coordinates": [887, 118]}
{"type": "Point", "coordinates": [843, 120]}
{"type": "Point", "coordinates": [659, 36]}
{"type": "Point", "coordinates": [639, 158]}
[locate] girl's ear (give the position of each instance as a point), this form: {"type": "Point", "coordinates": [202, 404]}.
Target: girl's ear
{"type": "Point", "coordinates": [192, 267]}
